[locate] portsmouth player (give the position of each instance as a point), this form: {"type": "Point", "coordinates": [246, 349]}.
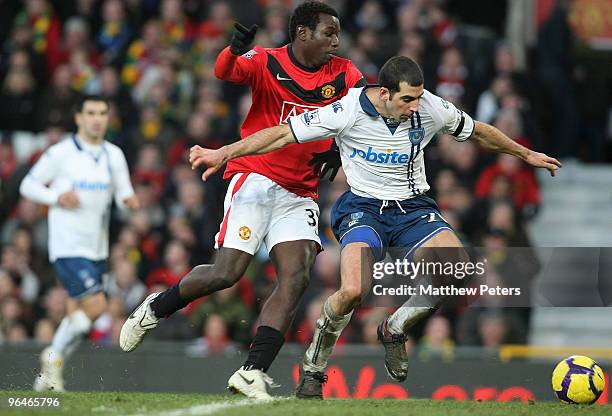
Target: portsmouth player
{"type": "Point", "coordinates": [271, 198]}
{"type": "Point", "coordinates": [78, 178]}
{"type": "Point", "coordinates": [382, 132]}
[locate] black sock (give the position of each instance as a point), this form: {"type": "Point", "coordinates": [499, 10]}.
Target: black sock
{"type": "Point", "coordinates": [168, 302]}
{"type": "Point", "coordinates": [264, 348]}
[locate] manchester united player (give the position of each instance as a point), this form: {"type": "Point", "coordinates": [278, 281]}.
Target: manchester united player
{"type": "Point", "coordinates": [271, 198]}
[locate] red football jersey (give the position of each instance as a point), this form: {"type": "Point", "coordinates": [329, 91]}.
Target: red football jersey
{"type": "Point", "coordinates": [281, 88]}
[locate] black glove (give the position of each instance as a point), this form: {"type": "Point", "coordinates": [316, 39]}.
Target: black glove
{"type": "Point", "coordinates": [324, 162]}
{"type": "Point", "coordinates": [242, 38]}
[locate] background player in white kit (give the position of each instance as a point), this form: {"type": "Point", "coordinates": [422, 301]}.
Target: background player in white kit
{"type": "Point", "coordinates": [78, 179]}
{"type": "Point", "coordinates": [381, 132]}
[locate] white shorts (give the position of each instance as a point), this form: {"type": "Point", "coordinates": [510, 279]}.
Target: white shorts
{"type": "Point", "coordinates": [258, 210]}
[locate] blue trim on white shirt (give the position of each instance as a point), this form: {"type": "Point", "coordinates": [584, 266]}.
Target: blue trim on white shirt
{"type": "Point", "coordinates": [366, 104]}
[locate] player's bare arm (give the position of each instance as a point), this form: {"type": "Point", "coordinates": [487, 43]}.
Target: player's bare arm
{"type": "Point", "coordinates": [263, 141]}
{"type": "Point", "coordinates": [492, 139]}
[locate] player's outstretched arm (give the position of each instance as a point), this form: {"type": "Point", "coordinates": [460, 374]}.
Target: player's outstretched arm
{"type": "Point", "coordinates": [263, 141]}
{"type": "Point", "coordinates": [492, 139]}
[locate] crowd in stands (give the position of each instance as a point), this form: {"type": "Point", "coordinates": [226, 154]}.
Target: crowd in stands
{"type": "Point", "coordinates": [153, 59]}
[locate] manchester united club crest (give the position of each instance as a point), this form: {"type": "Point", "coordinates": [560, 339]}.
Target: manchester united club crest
{"type": "Point", "coordinates": [328, 91]}
{"type": "Point", "coordinates": [244, 232]}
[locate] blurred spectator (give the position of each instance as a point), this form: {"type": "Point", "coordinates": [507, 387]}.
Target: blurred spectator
{"type": "Point", "coordinates": [28, 215]}
{"type": "Point", "coordinates": [452, 76]}
{"type": "Point", "coordinates": [215, 340]}
{"type": "Point", "coordinates": [8, 289]}
{"type": "Point", "coordinates": [370, 320]}
{"type": "Point", "coordinates": [16, 333]}
{"type": "Point", "coordinates": [193, 206]}
{"type": "Point", "coordinates": [8, 162]}
{"type": "Point", "coordinates": [44, 331]}
{"type": "Point", "coordinates": [371, 16]}
{"type": "Point", "coordinates": [149, 169]}
{"type": "Point", "coordinates": [142, 53]}
{"type": "Point", "coordinates": [58, 100]}
{"type": "Point", "coordinates": [436, 341]}
{"type": "Point", "coordinates": [18, 100]}
{"type": "Point", "coordinates": [114, 34]}
{"type": "Point", "coordinates": [38, 16]}
{"type": "Point", "coordinates": [147, 239]}
{"type": "Point", "coordinates": [17, 264]}
{"type": "Point", "coordinates": [492, 330]}
{"type": "Point", "coordinates": [177, 28]}
{"type": "Point", "coordinates": [198, 132]}
{"type": "Point", "coordinates": [152, 129]}
{"type": "Point", "coordinates": [175, 266]}
{"type": "Point", "coordinates": [168, 88]}
{"type": "Point", "coordinates": [275, 26]}
{"type": "Point", "coordinates": [150, 206]}
{"type": "Point", "coordinates": [490, 101]}
{"type": "Point", "coordinates": [54, 304]}
{"type": "Point", "coordinates": [523, 188]}
{"type": "Point", "coordinates": [229, 305]}
{"type": "Point", "coordinates": [124, 284]}
{"type": "Point", "coordinates": [11, 313]}
{"type": "Point", "coordinates": [554, 70]}
{"type": "Point", "coordinates": [219, 22]}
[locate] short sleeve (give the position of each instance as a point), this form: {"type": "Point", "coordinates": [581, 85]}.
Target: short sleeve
{"type": "Point", "coordinates": [455, 122]}
{"type": "Point", "coordinates": [321, 123]}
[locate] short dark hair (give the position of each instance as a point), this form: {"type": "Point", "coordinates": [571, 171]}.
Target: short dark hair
{"type": "Point", "coordinates": [307, 14]}
{"type": "Point", "coordinates": [398, 69]}
{"type": "Point", "coordinates": [89, 97]}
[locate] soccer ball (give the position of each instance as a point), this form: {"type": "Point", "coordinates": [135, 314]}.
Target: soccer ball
{"type": "Point", "coordinates": [578, 380]}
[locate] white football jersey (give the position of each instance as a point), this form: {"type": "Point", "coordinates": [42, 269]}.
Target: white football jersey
{"type": "Point", "coordinates": [382, 159]}
{"type": "Point", "coordinates": [95, 174]}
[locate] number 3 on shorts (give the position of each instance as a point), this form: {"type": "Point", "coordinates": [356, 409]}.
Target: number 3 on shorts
{"type": "Point", "coordinates": [313, 217]}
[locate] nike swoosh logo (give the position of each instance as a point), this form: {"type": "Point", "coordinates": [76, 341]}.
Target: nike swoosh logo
{"type": "Point", "coordinates": [278, 77]}
{"type": "Point", "coordinates": [246, 380]}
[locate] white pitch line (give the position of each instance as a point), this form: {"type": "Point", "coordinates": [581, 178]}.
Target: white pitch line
{"type": "Point", "coordinates": [206, 409]}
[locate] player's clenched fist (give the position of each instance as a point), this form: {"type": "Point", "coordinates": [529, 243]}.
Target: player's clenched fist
{"type": "Point", "coordinates": [242, 38]}
{"type": "Point", "coordinates": [213, 159]}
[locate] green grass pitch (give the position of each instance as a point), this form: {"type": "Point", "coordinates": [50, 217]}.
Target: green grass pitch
{"type": "Point", "coordinates": [169, 404]}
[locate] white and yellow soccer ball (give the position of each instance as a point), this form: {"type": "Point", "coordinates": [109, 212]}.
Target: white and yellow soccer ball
{"type": "Point", "coordinates": [578, 380]}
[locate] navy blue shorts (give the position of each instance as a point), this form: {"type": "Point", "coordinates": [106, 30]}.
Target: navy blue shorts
{"type": "Point", "coordinates": [80, 276]}
{"type": "Point", "coordinates": [407, 224]}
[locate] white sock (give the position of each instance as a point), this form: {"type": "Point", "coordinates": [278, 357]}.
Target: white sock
{"type": "Point", "coordinates": [70, 333]}
{"type": "Point", "coordinates": [413, 311]}
{"type": "Point", "coordinates": [328, 330]}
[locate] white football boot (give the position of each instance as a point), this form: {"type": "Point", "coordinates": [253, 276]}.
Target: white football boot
{"type": "Point", "coordinates": [51, 372]}
{"type": "Point", "coordinates": [251, 383]}
{"type": "Point", "coordinates": [138, 324]}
